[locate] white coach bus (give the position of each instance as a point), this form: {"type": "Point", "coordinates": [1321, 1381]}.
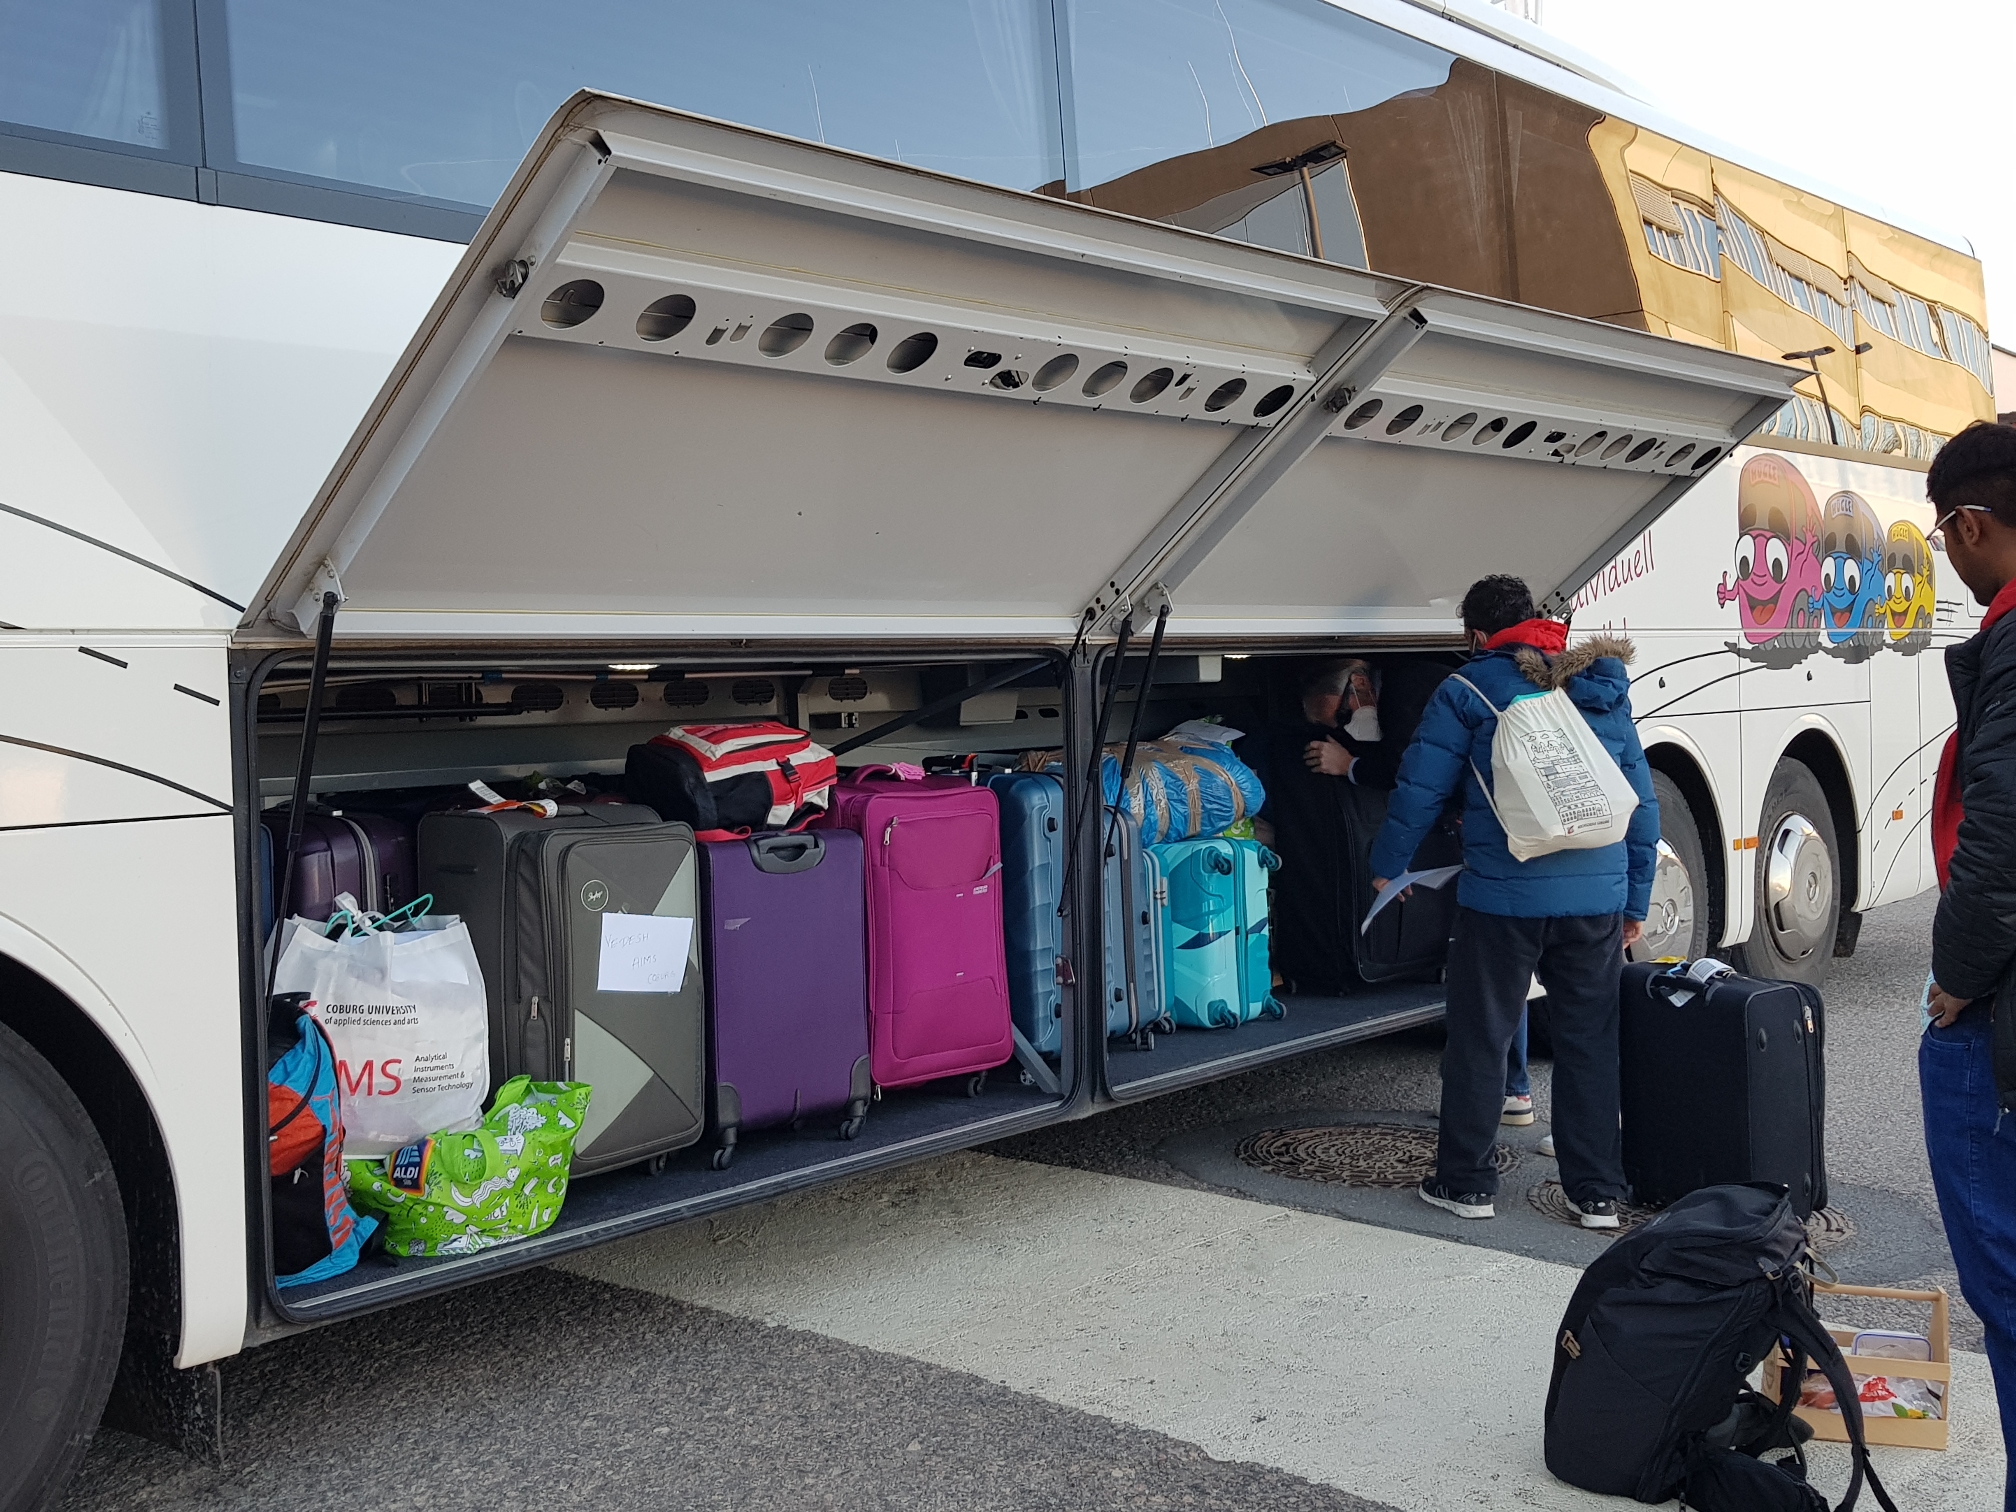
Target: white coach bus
{"type": "Point", "coordinates": [923, 355]}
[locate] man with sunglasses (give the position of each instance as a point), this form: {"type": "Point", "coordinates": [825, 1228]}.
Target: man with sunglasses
{"type": "Point", "coordinates": [1967, 1056]}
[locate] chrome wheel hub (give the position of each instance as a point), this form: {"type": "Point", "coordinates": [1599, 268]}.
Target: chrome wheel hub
{"type": "Point", "coordinates": [1669, 922]}
{"type": "Point", "coordinates": [1798, 888]}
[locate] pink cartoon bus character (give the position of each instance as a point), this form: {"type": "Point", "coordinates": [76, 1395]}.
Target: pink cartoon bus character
{"type": "Point", "coordinates": [1777, 582]}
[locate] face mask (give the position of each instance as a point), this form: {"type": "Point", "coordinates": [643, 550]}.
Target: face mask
{"type": "Point", "coordinates": [1363, 724]}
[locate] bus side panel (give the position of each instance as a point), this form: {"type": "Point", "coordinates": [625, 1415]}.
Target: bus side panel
{"type": "Point", "coordinates": [118, 884]}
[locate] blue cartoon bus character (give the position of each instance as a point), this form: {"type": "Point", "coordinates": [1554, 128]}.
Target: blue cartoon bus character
{"type": "Point", "coordinates": [1852, 589]}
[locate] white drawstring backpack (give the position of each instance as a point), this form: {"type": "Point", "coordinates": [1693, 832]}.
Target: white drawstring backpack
{"type": "Point", "coordinates": [1556, 788]}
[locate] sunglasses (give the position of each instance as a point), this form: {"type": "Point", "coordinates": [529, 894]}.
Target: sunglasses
{"type": "Point", "coordinates": [1936, 533]}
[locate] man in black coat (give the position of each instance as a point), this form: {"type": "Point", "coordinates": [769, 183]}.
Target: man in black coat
{"type": "Point", "coordinates": [1967, 1057]}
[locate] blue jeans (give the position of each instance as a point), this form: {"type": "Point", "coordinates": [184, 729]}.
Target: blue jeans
{"type": "Point", "coordinates": [1974, 1173]}
{"type": "Point", "coordinates": [1517, 1082]}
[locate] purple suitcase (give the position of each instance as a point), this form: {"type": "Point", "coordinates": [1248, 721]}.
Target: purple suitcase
{"type": "Point", "coordinates": [369, 856]}
{"type": "Point", "coordinates": [787, 983]}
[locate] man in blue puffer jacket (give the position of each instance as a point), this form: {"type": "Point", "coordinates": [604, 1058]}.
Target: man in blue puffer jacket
{"type": "Point", "coordinates": [1568, 916]}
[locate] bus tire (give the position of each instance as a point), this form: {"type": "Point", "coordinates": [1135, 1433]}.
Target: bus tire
{"type": "Point", "coordinates": [1676, 925]}
{"type": "Point", "coordinates": [63, 1277]}
{"type": "Point", "coordinates": [1798, 882]}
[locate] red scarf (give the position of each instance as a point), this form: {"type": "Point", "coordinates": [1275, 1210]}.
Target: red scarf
{"type": "Point", "coordinates": [1946, 811]}
{"type": "Point", "coordinates": [1550, 636]}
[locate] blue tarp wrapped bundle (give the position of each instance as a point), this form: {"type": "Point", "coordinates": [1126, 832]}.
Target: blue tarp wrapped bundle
{"type": "Point", "coordinates": [1182, 786]}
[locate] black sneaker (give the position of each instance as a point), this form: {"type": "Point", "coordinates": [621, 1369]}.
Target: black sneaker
{"type": "Point", "coordinates": [1598, 1213]}
{"type": "Point", "coordinates": [1462, 1204]}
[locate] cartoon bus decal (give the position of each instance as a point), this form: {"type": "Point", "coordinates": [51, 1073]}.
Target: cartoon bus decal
{"type": "Point", "coordinates": [1811, 577]}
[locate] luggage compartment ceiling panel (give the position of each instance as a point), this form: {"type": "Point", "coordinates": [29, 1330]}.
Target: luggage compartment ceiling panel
{"type": "Point", "coordinates": [692, 380]}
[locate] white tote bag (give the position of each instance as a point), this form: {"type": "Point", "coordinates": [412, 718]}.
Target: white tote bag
{"type": "Point", "coordinates": [407, 1015]}
{"type": "Point", "coordinates": [1553, 786]}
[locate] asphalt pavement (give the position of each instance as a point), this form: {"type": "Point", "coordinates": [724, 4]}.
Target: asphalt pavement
{"type": "Point", "coordinates": [1112, 1313]}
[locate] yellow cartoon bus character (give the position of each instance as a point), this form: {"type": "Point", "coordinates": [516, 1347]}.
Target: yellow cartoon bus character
{"type": "Point", "coordinates": [1907, 578]}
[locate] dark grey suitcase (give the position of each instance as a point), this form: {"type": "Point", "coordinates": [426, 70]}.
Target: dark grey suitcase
{"type": "Point", "coordinates": [534, 893]}
{"type": "Point", "coordinates": [1724, 1082]}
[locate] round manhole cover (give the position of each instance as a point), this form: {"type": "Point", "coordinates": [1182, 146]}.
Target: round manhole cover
{"type": "Point", "coordinates": [1353, 1155]}
{"type": "Point", "coordinates": [1824, 1230]}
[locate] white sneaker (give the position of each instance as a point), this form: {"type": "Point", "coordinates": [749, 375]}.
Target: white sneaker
{"type": "Point", "coordinates": [1518, 1112]}
{"type": "Point", "coordinates": [1547, 1147]}
{"type": "Point", "coordinates": [1462, 1204]}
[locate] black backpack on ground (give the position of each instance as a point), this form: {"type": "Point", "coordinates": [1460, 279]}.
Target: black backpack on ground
{"type": "Point", "coordinates": [1648, 1398]}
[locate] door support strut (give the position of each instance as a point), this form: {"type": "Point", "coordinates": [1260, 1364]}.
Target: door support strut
{"type": "Point", "coordinates": [1349, 363]}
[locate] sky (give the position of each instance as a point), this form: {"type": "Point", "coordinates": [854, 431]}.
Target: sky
{"type": "Point", "coordinates": [1911, 106]}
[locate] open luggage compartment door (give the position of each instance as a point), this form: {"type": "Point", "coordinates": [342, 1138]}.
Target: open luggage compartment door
{"type": "Point", "coordinates": [694, 380]}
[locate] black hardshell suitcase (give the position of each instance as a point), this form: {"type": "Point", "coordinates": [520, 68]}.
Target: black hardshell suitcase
{"type": "Point", "coordinates": [534, 892]}
{"type": "Point", "coordinates": [1724, 1082]}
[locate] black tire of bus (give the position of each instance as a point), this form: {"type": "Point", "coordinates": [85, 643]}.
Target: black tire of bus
{"type": "Point", "coordinates": [1794, 795]}
{"type": "Point", "coordinates": [63, 1278]}
{"type": "Point", "coordinates": [1682, 835]}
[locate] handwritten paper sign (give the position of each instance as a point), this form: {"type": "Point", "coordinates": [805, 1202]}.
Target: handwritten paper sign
{"type": "Point", "coordinates": [643, 953]}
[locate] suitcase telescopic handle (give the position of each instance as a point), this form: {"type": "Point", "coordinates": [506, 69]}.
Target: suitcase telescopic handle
{"type": "Point", "coordinates": [1679, 984]}
{"type": "Point", "coordinates": [786, 853]}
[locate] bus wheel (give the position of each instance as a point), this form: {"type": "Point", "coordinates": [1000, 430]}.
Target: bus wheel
{"type": "Point", "coordinates": [1798, 883]}
{"type": "Point", "coordinates": [1676, 925]}
{"type": "Point", "coordinates": [62, 1277]}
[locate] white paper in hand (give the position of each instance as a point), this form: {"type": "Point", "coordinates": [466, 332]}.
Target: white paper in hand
{"type": "Point", "coordinates": [1436, 877]}
{"type": "Point", "coordinates": [643, 953]}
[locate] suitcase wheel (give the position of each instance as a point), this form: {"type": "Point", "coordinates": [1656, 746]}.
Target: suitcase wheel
{"type": "Point", "coordinates": [656, 1164]}
{"type": "Point", "coordinates": [723, 1158]}
{"type": "Point", "coordinates": [851, 1128]}
{"type": "Point", "coordinates": [1165, 1025]}
{"type": "Point", "coordinates": [1027, 1079]}
{"type": "Point", "coordinates": [976, 1084]}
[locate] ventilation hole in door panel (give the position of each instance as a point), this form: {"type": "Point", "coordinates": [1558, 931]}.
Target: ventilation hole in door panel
{"type": "Point", "coordinates": [613, 695]}
{"type": "Point", "coordinates": [933, 853]}
{"type": "Point", "coordinates": [785, 335]}
{"type": "Point", "coordinates": [851, 345]}
{"type": "Point", "coordinates": [1226, 393]}
{"type": "Point", "coordinates": [687, 692]}
{"type": "Point", "coordinates": [665, 318]}
{"type": "Point", "coordinates": [1365, 414]}
{"type": "Point", "coordinates": [1404, 420]}
{"type": "Point", "coordinates": [912, 352]}
{"type": "Point", "coordinates": [1705, 458]}
{"type": "Point", "coordinates": [571, 303]}
{"type": "Point", "coordinates": [846, 689]}
{"type": "Point", "coordinates": [1594, 441]}
{"type": "Point", "coordinates": [1057, 370]}
{"type": "Point", "coordinates": [1454, 430]}
{"type": "Point", "coordinates": [1150, 384]}
{"type": "Point", "coordinates": [1488, 429]}
{"type": "Point", "coordinates": [1105, 379]}
{"type": "Point", "coordinates": [1681, 455]}
{"type": "Point", "coordinates": [752, 690]}
{"type": "Point", "coordinates": [740, 331]}
{"type": "Point", "coordinates": [538, 697]}
{"type": "Point", "coordinates": [1638, 452]}
{"type": "Point", "coordinates": [1553, 436]}
{"type": "Point", "coordinates": [1615, 447]}
{"type": "Point", "coordinates": [1519, 433]}
{"type": "Point", "coordinates": [714, 336]}
{"type": "Point", "coordinates": [1273, 400]}
{"type": "Point", "coordinates": [983, 359]}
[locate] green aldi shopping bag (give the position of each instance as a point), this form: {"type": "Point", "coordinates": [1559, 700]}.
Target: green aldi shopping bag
{"type": "Point", "coordinates": [453, 1194]}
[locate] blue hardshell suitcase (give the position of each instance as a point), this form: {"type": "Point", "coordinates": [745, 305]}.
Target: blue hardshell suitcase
{"type": "Point", "coordinates": [1032, 882]}
{"type": "Point", "coordinates": [1136, 1000]}
{"type": "Point", "coordinates": [1214, 932]}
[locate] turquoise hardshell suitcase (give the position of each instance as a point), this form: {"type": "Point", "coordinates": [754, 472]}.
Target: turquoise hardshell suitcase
{"type": "Point", "coordinates": [1214, 932]}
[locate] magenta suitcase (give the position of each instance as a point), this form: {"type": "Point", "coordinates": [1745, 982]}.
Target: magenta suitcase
{"type": "Point", "coordinates": [937, 967]}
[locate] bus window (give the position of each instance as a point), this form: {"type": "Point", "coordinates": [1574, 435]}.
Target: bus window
{"type": "Point", "coordinates": [96, 69]}
{"type": "Point", "coordinates": [441, 102]}
{"type": "Point", "coordinates": [1159, 86]}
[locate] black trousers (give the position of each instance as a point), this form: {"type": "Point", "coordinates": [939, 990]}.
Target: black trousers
{"type": "Point", "coordinates": [1492, 961]}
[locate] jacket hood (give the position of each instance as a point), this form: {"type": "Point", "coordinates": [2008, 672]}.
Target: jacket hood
{"type": "Point", "coordinates": [1595, 685]}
